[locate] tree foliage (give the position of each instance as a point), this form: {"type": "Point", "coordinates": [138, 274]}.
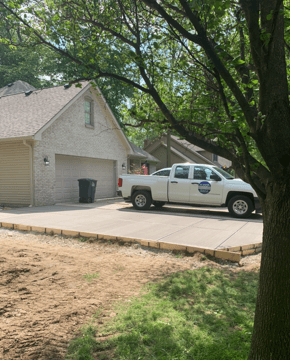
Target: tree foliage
{"type": "Point", "coordinates": [20, 63]}
{"type": "Point", "coordinates": [212, 71]}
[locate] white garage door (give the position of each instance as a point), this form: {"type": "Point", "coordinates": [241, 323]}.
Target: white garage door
{"type": "Point", "coordinates": [71, 168]}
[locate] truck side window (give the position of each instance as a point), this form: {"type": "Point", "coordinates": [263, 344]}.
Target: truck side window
{"type": "Point", "coordinates": [202, 173]}
{"type": "Point", "coordinates": [181, 172]}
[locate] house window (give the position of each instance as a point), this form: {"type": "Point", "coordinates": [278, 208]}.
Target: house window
{"type": "Point", "coordinates": [215, 157]}
{"type": "Point", "coordinates": [89, 112]}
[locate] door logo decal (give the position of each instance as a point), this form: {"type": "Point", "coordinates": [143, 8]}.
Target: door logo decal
{"type": "Point", "coordinates": [204, 187]}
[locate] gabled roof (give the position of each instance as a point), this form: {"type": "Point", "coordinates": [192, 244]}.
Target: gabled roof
{"type": "Point", "coordinates": [15, 88]}
{"type": "Point", "coordinates": [178, 153]}
{"type": "Point", "coordinates": [23, 115]}
{"type": "Point", "coordinates": [187, 144]}
{"type": "Point", "coordinates": [195, 150]}
{"type": "Point", "coordinates": [142, 154]}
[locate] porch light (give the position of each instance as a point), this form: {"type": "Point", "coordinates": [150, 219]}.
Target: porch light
{"type": "Point", "coordinates": [46, 161]}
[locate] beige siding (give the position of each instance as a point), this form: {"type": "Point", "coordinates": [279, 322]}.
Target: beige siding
{"type": "Point", "coordinates": [161, 154]}
{"type": "Point", "coordinates": [206, 154]}
{"type": "Point", "coordinates": [222, 161]}
{"type": "Point", "coordinates": [14, 173]}
{"type": "Point", "coordinates": [152, 168]}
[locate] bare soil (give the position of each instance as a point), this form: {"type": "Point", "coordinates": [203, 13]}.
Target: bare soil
{"type": "Point", "coordinates": [47, 294]}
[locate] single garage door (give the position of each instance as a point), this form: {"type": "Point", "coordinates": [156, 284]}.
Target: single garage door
{"type": "Point", "coordinates": [71, 168]}
{"type": "Point", "coordinates": [14, 173]}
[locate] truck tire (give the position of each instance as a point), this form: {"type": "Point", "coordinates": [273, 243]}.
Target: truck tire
{"type": "Point", "coordinates": [158, 204]}
{"type": "Point", "coordinates": [240, 206]}
{"type": "Point", "coordinates": [141, 200]}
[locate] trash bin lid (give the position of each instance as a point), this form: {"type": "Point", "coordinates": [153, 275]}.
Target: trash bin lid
{"type": "Point", "coordinates": [85, 179]}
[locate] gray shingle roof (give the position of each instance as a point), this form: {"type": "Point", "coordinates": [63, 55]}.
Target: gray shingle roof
{"type": "Point", "coordinates": [140, 153]}
{"type": "Point", "coordinates": [186, 144]}
{"type": "Point", "coordinates": [15, 88]}
{"type": "Point", "coordinates": [22, 115]}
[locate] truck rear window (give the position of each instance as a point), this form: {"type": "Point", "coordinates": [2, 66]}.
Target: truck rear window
{"type": "Point", "coordinates": [181, 172]}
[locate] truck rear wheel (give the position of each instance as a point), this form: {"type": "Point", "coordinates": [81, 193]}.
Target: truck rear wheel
{"type": "Point", "coordinates": [240, 206]}
{"type": "Point", "coordinates": [141, 200]}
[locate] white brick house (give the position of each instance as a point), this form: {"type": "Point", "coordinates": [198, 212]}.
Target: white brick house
{"type": "Point", "coordinates": [50, 138]}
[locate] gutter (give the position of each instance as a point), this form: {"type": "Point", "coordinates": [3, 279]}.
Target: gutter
{"type": "Point", "coordinates": [31, 171]}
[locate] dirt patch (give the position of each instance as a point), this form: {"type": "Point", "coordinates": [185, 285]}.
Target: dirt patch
{"type": "Point", "coordinates": [50, 286]}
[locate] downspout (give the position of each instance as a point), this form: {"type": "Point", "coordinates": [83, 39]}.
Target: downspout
{"type": "Point", "coordinates": [31, 171]}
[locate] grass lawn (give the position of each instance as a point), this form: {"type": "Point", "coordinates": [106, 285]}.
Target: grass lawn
{"type": "Point", "coordinates": [205, 314]}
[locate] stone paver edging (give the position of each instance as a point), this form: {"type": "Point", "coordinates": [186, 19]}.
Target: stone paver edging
{"type": "Point", "coordinates": [232, 254]}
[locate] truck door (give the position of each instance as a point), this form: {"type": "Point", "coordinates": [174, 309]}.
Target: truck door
{"type": "Point", "coordinates": [204, 190]}
{"type": "Point", "coordinates": [179, 184]}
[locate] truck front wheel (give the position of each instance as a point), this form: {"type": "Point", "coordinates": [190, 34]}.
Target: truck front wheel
{"type": "Point", "coordinates": [141, 200]}
{"type": "Point", "coordinates": [240, 206]}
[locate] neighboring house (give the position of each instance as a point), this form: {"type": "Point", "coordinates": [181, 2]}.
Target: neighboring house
{"type": "Point", "coordinates": [15, 88]}
{"type": "Point", "coordinates": [139, 158]}
{"type": "Point", "coordinates": [50, 138]}
{"type": "Point", "coordinates": [181, 152]}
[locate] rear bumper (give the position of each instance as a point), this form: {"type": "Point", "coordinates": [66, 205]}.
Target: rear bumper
{"type": "Point", "coordinates": [258, 207]}
{"type": "Point", "coordinates": [127, 199]}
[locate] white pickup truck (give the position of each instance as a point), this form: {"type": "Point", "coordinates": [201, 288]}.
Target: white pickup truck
{"type": "Point", "coordinates": [191, 184]}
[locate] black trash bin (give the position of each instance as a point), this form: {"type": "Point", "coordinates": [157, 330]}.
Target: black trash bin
{"type": "Point", "coordinates": [87, 189]}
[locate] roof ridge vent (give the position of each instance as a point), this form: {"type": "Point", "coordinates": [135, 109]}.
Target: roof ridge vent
{"type": "Point", "coordinates": [27, 93]}
{"type": "Point", "coordinates": [66, 86]}
{"type": "Point", "coordinates": [10, 84]}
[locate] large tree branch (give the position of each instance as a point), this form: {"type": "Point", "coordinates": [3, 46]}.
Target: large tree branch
{"type": "Point", "coordinates": [244, 71]}
{"type": "Point", "coordinates": [201, 40]}
{"type": "Point", "coordinates": [273, 22]}
{"type": "Point", "coordinates": [109, 30]}
{"type": "Point", "coordinates": [125, 15]}
{"type": "Point", "coordinates": [251, 11]}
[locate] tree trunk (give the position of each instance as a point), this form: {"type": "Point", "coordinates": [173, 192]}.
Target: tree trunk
{"type": "Point", "coordinates": [271, 335]}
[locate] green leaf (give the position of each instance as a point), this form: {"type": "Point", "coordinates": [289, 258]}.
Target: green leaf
{"type": "Point", "coordinates": [269, 16]}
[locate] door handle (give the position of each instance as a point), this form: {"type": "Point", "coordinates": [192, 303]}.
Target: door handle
{"type": "Point", "coordinates": [174, 182]}
{"type": "Point", "coordinates": [194, 183]}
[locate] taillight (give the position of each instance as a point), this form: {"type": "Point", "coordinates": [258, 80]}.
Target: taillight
{"type": "Point", "coordinates": [120, 182]}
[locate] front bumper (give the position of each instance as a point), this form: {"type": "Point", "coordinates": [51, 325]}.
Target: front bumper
{"type": "Point", "coordinates": [258, 207]}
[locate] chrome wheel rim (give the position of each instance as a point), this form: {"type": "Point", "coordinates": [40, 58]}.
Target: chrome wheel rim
{"type": "Point", "coordinates": [140, 200]}
{"type": "Point", "coordinates": [240, 207]}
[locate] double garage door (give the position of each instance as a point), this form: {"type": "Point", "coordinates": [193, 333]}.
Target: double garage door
{"type": "Point", "coordinates": [71, 168]}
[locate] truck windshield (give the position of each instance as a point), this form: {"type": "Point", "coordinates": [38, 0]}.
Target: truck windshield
{"type": "Point", "coordinates": [224, 173]}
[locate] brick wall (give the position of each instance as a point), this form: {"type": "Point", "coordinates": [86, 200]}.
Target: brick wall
{"type": "Point", "coordinates": [68, 135]}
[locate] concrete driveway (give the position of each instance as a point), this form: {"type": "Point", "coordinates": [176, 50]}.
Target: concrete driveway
{"type": "Point", "coordinates": [201, 227]}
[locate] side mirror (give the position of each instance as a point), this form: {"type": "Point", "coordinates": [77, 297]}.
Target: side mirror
{"type": "Point", "coordinates": [215, 177]}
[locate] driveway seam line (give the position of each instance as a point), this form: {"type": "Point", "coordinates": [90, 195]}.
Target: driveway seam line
{"type": "Point", "coordinates": [231, 236]}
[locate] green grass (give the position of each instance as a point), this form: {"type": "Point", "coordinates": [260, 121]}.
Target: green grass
{"type": "Point", "coordinates": [90, 277]}
{"type": "Point", "coordinates": [82, 239]}
{"type": "Point", "coordinates": [206, 314]}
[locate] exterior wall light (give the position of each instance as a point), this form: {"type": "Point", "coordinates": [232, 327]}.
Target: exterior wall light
{"type": "Point", "coordinates": [123, 166]}
{"type": "Point", "coordinates": [46, 161]}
